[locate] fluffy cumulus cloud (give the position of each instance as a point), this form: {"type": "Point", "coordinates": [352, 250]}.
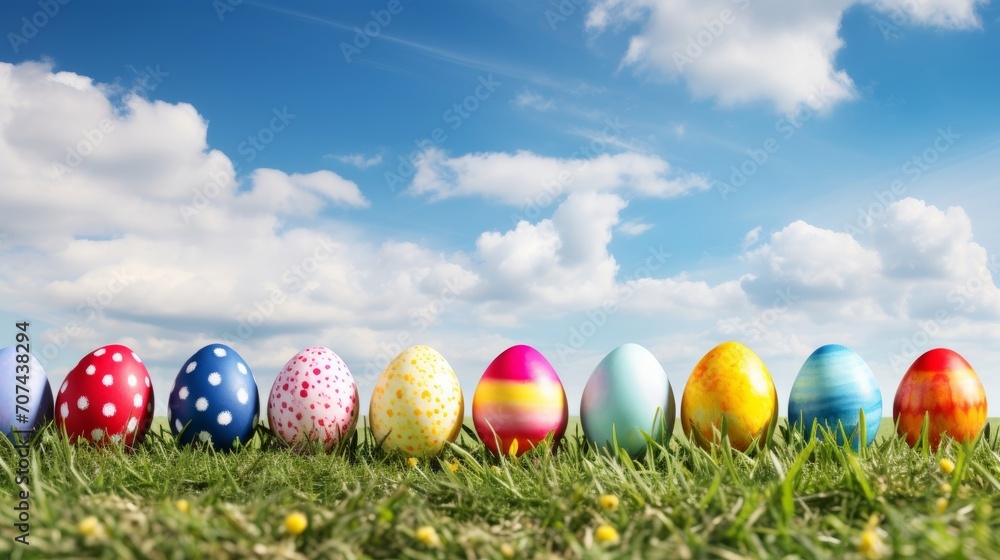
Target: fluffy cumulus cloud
{"type": "Point", "coordinates": [740, 51]}
{"type": "Point", "coordinates": [523, 178]}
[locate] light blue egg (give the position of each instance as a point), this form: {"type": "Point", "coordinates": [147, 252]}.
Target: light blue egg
{"type": "Point", "coordinates": [832, 387]}
{"type": "Point", "coordinates": [628, 394]}
{"type": "Point", "coordinates": [34, 396]}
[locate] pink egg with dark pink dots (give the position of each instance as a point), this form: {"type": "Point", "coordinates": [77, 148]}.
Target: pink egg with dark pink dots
{"type": "Point", "coordinates": [314, 398]}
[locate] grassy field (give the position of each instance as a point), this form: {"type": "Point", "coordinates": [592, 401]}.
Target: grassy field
{"type": "Point", "coordinates": [795, 499]}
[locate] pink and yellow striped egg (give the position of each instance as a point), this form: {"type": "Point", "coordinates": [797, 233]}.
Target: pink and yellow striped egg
{"type": "Point", "coordinates": [519, 401]}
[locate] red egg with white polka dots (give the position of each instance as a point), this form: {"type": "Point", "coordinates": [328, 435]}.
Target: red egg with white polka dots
{"type": "Point", "coordinates": [314, 397]}
{"type": "Point", "coordinates": [107, 398]}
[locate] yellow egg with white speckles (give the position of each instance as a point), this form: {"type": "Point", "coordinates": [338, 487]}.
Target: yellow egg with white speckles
{"type": "Point", "coordinates": [417, 406]}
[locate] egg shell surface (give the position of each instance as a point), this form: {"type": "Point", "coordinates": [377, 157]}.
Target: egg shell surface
{"type": "Point", "coordinates": [833, 386]}
{"type": "Point", "coordinates": [627, 394]}
{"type": "Point", "coordinates": [942, 384]}
{"type": "Point", "coordinates": [35, 397]}
{"type": "Point", "coordinates": [107, 398]}
{"type": "Point", "coordinates": [519, 398]}
{"type": "Point", "coordinates": [417, 405]}
{"type": "Point", "coordinates": [314, 397]}
{"type": "Point", "coordinates": [214, 399]}
{"type": "Point", "coordinates": [730, 384]}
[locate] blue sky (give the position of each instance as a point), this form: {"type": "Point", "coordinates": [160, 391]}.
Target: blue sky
{"type": "Point", "coordinates": [653, 221]}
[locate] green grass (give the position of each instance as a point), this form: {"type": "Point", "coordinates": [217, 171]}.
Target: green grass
{"type": "Point", "coordinates": [794, 499]}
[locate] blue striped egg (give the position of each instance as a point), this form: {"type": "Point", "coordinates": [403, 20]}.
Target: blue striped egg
{"type": "Point", "coordinates": [214, 400]}
{"type": "Point", "coordinates": [25, 394]}
{"type": "Point", "coordinates": [832, 387]}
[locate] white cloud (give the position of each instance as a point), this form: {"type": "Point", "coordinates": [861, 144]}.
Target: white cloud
{"type": "Point", "coordinates": [300, 194]}
{"type": "Point", "coordinates": [523, 177]}
{"type": "Point", "coordinates": [634, 228]}
{"type": "Point", "coordinates": [361, 161]}
{"type": "Point", "coordinates": [752, 237]}
{"type": "Point", "coordinates": [738, 51]}
{"type": "Point", "coordinates": [526, 99]}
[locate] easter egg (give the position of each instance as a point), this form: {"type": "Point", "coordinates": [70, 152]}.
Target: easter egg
{"type": "Point", "coordinates": [25, 393]}
{"type": "Point", "coordinates": [107, 397]}
{"type": "Point", "coordinates": [214, 399]}
{"type": "Point", "coordinates": [628, 394]}
{"type": "Point", "coordinates": [943, 386]}
{"type": "Point", "coordinates": [833, 386]}
{"type": "Point", "coordinates": [731, 386]}
{"type": "Point", "coordinates": [519, 401]}
{"type": "Point", "coordinates": [417, 406]}
{"type": "Point", "coordinates": [314, 397]}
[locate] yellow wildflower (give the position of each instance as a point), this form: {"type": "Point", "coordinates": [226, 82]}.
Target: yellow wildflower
{"type": "Point", "coordinates": [941, 505]}
{"type": "Point", "coordinates": [296, 523]}
{"type": "Point", "coordinates": [609, 502]}
{"type": "Point", "coordinates": [606, 534]}
{"type": "Point", "coordinates": [453, 465]}
{"type": "Point", "coordinates": [946, 488]}
{"type": "Point", "coordinates": [182, 506]}
{"type": "Point", "coordinates": [506, 550]}
{"type": "Point", "coordinates": [428, 536]}
{"type": "Point", "coordinates": [90, 527]}
{"type": "Point", "coordinates": [870, 544]}
{"type": "Point", "coordinates": [947, 466]}
{"type": "Point", "coordinates": [412, 462]}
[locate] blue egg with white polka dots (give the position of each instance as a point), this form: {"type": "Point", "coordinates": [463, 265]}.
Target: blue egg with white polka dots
{"type": "Point", "coordinates": [214, 399]}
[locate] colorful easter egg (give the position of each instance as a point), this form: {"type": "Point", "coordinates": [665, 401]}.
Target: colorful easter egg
{"type": "Point", "coordinates": [107, 397]}
{"type": "Point", "coordinates": [214, 399]}
{"type": "Point", "coordinates": [628, 394]}
{"type": "Point", "coordinates": [730, 386]}
{"type": "Point", "coordinates": [943, 386]}
{"type": "Point", "coordinates": [314, 397]}
{"type": "Point", "coordinates": [25, 393]}
{"type": "Point", "coordinates": [519, 401]}
{"type": "Point", "coordinates": [417, 406]}
{"type": "Point", "coordinates": [832, 388]}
